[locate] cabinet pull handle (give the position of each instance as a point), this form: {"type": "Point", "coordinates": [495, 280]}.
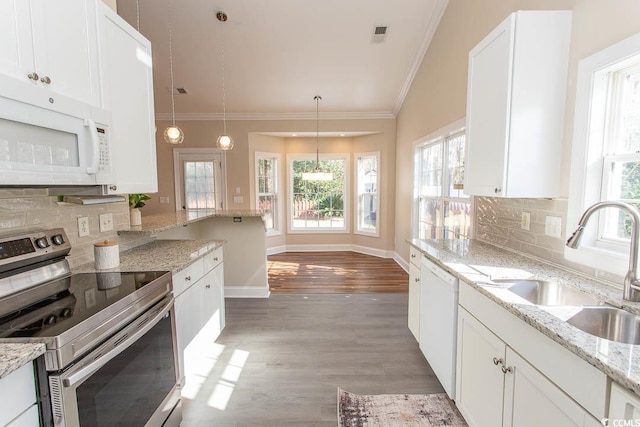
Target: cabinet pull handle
{"type": "Point", "coordinates": [497, 361]}
{"type": "Point", "coordinates": [46, 80]}
{"type": "Point", "coordinates": [188, 278]}
{"type": "Point", "coordinates": [207, 286]}
{"type": "Point", "coordinates": [413, 255]}
{"type": "Point", "coordinates": [215, 258]}
{"type": "Point", "coordinates": [33, 76]}
{"type": "Point", "coordinates": [506, 369]}
{"type": "Point", "coordinates": [497, 190]}
{"type": "Point", "coordinates": [417, 279]}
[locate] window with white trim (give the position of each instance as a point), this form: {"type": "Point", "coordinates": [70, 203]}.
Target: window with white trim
{"type": "Point", "coordinates": [367, 218]}
{"type": "Point", "coordinates": [441, 209]}
{"type": "Point", "coordinates": [318, 206]}
{"type": "Point", "coordinates": [605, 162]}
{"type": "Point", "coordinates": [267, 190]}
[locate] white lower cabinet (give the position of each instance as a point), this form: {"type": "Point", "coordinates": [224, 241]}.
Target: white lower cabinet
{"type": "Point", "coordinates": [496, 386]}
{"type": "Point", "coordinates": [200, 313]}
{"type": "Point", "coordinates": [624, 407]}
{"type": "Point", "coordinates": [18, 405]}
{"type": "Point", "coordinates": [414, 299]}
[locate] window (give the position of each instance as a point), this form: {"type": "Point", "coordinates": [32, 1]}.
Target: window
{"type": "Point", "coordinates": [441, 209]}
{"type": "Point", "coordinates": [318, 206]}
{"type": "Point", "coordinates": [605, 162]}
{"type": "Point", "coordinates": [267, 190]}
{"type": "Point", "coordinates": [198, 179]}
{"type": "Point", "coordinates": [367, 193]}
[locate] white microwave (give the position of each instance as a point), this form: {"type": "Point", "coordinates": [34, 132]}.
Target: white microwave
{"type": "Point", "coordinates": [47, 147]}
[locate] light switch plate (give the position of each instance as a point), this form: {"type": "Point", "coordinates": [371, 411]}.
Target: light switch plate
{"type": "Point", "coordinates": [525, 221]}
{"type": "Point", "coordinates": [553, 226]}
{"type": "Point", "coordinates": [83, 226]}
{"type": "Point", "coordinates": [106, 222]}
{"type": "Point", "coordinates": [164, 199]}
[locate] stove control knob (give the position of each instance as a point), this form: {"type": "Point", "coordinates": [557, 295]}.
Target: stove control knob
{"type": "Point", "coordinates": [57, 239]}
{"type": "Point", "coordinates": [66, 313]}
{"type": "Point", "coordinates": [42, 243]}
{"type": "Point", "coordinates": [50, 320]}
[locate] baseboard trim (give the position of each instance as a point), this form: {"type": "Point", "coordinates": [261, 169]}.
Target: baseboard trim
{"type": "Point", "coordinates": [246, 292]}
{"type": "Point", "coordinates": [380, 253]}
{"type": "Point", "coordinates": [401, 262]}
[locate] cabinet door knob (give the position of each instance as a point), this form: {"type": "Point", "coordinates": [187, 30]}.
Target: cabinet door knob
{"type": "Point", "coordinates": [33, 76]}
{"type": "Point", "coordinates": [46, 80]}
{"type": "Point", "coordinates": [207, 286]}
{"type": "Point", "coordinates": [497, 190]}
{"type": "Point", "coordinates": [188, 278]}
{"type": "Point", "coordinates": [417, 279]}
{"type": "Point", "coordinates": [413, 255]}
{"type": "Point", "coordinates": [215, 258]}
{"type": "Point", "coordinates": [506, 369]}
{"type": "Point", "coordinates": [113, 187]}
{"type": "Point", "coordinates": [497, 361]}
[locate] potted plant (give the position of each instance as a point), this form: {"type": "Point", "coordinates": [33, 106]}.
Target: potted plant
{"type": "Point", "coordinates": [136, 201]}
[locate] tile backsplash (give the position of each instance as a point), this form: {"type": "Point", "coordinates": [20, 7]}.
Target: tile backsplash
{"type": "Point", "coordinates": [497, 221]}
{"type": "Point", "coordinates": [29, 209]}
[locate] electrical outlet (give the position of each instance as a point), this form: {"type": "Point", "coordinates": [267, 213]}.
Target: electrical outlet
{"type": "Point", "coordinates": [83, 226]}
{"type": "Point", "coordinates": [525, 221]}
{"type": "Point", "coordinates": [238, 199]}
{"type": "Point", "coordinates": [164, 199]}
{"type": "Point", "coordinates": [106, 222]}
{"type": "Point", "coordinates": [553, 226]}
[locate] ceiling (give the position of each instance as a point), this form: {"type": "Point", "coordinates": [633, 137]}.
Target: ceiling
{"type": "Point", "coordinates": [279, 54]}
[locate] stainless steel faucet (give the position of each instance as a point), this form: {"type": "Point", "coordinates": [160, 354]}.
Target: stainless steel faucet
{"type": "Point", "coordinates": [631, 280]}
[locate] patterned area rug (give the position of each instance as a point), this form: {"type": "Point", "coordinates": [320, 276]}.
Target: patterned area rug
{"type": "Point", "coordinates": [406, 410]}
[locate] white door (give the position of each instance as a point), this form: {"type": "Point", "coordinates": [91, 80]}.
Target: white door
{"type": "Point", "coordinates": [414, 300]}
{"type": "Point", "coordinates": [199, 179]}
{"type": "Point", "coordinates": [532, 400]}
{"type": "Point", "coordinates": [480, 381]}
{"type": "Point", "coordinates": [16, 42]}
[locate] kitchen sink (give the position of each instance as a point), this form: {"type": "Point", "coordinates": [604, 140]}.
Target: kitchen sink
{"type": "Point", "coordinates": [543, 292]}
{"type": "Point", "coordinates": [609, 323]}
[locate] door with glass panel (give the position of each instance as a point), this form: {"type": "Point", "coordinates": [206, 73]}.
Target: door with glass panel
{"type": "Point", "coordinates": [200, 181]}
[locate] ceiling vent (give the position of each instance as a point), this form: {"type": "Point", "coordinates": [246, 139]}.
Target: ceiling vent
{"type": "Point", "coordinates": [379, 34]}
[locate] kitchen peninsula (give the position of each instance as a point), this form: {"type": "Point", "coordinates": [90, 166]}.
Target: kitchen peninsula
{"type": "Point", "coordinates": [245, 266]}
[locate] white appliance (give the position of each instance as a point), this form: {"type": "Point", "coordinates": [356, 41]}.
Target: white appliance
{"type": "Point", "coordinates": [439, 322]}
{"type": "Point", "coordinates": [61, 145]}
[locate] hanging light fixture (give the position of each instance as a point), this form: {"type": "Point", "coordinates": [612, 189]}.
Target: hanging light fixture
{"type": "Point", "coordinates": [224, 142]}
{"type": "Point", "coordinates": [317, 175]}
{"type": "Point", "coordinates": [172, 134]}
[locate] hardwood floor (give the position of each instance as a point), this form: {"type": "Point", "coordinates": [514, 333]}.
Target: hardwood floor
{"type": "Point", "coordinates": [334, 272]}
{"type": "Point", "coordinates": [280, 360]}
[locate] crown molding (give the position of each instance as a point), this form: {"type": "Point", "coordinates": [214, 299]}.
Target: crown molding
{"type": "Point", "coordinates": [380, 115]}
{"type": "Point", "coordinates": [432, 26]}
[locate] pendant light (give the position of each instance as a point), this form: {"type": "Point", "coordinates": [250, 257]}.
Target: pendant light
{"type": "Point", "coordinates": [317, 175]}
{"type": "Point", "coordinates": [224, 142]}
{"type": "Point", "coordinates": [172, 134]}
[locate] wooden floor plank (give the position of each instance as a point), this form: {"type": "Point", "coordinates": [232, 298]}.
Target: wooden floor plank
{"type": "Point", "coordinates": [280, 360]}
{"type": "Point", "coordinates": [334, 272]}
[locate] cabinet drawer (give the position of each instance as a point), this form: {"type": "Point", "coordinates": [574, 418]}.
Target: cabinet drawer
{"type": "Point", "coordinates": [414, 256]}
{"type": "Point", "coordinates": [213, 259]}
{"type": "Point", "coordinates": [187, 277]}
{"type": "Point", "coordinates": [19, 393]}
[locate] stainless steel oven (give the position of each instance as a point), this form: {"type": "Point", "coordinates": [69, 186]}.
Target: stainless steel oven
{"type": "Point", "coordinates": [111, 356]}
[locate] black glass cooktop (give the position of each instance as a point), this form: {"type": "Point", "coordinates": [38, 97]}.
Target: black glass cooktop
{"type": "Point", "coordinates": [71, 301]}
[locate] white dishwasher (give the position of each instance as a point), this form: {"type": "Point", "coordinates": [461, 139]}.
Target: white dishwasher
{"type": "Point", "coordinates": [438, 322]}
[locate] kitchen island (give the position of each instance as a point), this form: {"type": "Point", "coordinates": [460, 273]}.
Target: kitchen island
{"type": "Point", "coordinates": [245, 272]}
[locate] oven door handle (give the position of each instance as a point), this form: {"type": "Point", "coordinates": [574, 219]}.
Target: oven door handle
{"type": "Point", "coordinates": [118, 344]}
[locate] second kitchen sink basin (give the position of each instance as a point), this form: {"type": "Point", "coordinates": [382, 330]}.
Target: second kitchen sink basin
{"type": "Point", "coordinates": [543, 292]}
{"type": "Point", "coordinates": [609, 323]}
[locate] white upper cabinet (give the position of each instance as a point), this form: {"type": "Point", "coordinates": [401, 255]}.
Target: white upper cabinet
{"type": "Point", "coordinates": [127, 84]}
{"type": "Point", "coordinates": [515, 106]}
{"type": "Point", "coordinates": [52, 45]}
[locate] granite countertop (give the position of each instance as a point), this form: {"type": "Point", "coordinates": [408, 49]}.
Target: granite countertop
{"type": "Point", "coordinates": [15, 356]}
{"type": "Point", "coordinates": [478, 263]}
{"type": "Point", "coordinates": [159, 255]}
{"type": "Point", "coordinates": [154, 224]}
